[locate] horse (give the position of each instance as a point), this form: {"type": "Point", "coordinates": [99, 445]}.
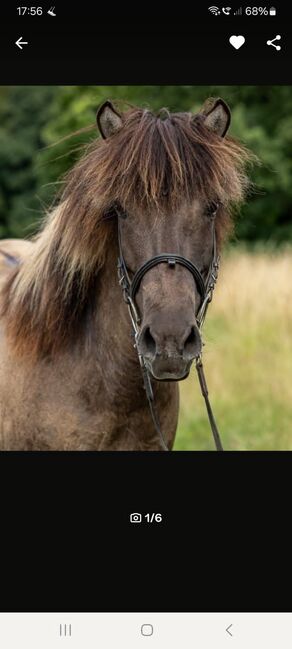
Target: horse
{"type": "Point", "coordinates": [70, 376]}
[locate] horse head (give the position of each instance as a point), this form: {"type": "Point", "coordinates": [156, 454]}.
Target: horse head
{"type": "Point", "coordinates": [174, 222]}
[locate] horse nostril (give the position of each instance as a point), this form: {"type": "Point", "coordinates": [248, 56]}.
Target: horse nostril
{"type": "Point", "coordinates": [149, 341]}
{"type": "Point", "coordinates": [192, 343]}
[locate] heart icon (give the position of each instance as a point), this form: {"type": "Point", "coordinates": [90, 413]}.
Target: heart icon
{"type": "Point", "coordinates": [237, 41]}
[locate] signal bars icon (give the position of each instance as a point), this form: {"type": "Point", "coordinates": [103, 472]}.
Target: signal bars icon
{"type": "Point", "coordinates": [238, 12]}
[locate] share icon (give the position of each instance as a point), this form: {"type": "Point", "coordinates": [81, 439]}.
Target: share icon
{"type": "Point", "coordinates": [277, 38]}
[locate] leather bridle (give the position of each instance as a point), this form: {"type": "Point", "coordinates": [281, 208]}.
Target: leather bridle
{"type": "Point", "coordinates": [205, 288]}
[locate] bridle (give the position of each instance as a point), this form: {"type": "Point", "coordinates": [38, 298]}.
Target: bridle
{"type": "Point", "coordinates": [205, 288]}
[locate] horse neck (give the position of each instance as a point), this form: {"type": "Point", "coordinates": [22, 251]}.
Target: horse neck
{"type": "Point", "coordinates": [112, 335]}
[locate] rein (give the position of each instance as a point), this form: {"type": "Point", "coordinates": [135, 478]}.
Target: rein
{"type": "Point", "coordinates": [205, 288]}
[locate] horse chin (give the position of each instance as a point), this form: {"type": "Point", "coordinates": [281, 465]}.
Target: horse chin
{"type": "Point", "coordinates": [168, 375]}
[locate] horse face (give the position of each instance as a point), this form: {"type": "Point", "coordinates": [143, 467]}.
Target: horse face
{"type": "Point", "coordinates": [168, 298]}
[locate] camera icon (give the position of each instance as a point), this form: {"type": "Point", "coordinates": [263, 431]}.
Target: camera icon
{"type": "Point", "coordinates": [135, 518]}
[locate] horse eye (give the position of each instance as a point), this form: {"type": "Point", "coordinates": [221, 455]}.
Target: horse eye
{"type": "Point", "coordinates": [212, 209]}
{"type": "Point", "coordinates": [121, 213]}
{"type": "Point", "coordinates": [109, 214]}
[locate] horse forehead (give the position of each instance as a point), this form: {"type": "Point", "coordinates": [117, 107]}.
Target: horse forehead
{"type": "Point", "coordinates": [183, 211]}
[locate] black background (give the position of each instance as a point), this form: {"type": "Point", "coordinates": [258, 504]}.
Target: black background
{"type": "Point", "coordinates": [66, 541]}
{"type": "Point", "coordinates": [224, 543]}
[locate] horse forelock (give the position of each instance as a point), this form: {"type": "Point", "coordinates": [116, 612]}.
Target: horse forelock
{"type": "Point", "coordinates": [152, 159]}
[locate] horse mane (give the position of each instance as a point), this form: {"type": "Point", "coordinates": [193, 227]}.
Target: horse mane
{"type": "Point", "coordinates": [152, 161]}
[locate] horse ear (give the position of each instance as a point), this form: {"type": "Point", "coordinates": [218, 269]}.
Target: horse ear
{"type": "Point", "coordinates": [109, 121]}
{"type": "Point", "coordinates": [217, 116]}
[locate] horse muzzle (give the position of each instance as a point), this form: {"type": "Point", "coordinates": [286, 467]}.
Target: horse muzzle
{"type": "Point", "coordinates": [169, 358]}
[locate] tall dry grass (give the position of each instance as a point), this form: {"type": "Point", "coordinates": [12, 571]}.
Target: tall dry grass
{"type": "Point", "coordinates": [247, 358]}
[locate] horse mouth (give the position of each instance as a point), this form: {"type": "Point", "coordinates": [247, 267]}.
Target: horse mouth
{"type": "Point", "coordinates": [168, 374]}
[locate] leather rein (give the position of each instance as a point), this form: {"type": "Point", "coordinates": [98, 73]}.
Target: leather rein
{"type": "Point", "coordinates": [205, 288]}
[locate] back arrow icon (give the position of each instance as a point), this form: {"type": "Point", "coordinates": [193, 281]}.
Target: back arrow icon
{"type": "Point", "coordinates": [228, 631]}
{"type": "Point", "coordinates": [20, 42]}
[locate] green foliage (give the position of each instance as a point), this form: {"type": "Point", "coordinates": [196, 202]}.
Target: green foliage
{"type": "Point", "coordinates": [35, 150]}
{"type": "Point", "coordinates": [23, 115]}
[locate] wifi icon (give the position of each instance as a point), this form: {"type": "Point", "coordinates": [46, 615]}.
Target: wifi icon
{"type": "Point", "coordinates": [214, 10]}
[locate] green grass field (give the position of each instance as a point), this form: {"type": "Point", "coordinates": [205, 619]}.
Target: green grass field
{"type": "Point", "coordinates": [247, 358]}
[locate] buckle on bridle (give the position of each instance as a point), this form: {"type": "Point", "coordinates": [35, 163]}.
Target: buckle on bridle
{"type": "Point", "coordinates": [123, 281]}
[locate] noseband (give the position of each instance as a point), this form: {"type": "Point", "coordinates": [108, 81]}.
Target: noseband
{"type": "Point", "coordinates": [205, 289]}
{"type": "Point", "coordinates": [171, 260]}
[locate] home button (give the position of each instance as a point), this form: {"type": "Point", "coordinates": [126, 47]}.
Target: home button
{"type": "Point", "coordinates": [147, 629]}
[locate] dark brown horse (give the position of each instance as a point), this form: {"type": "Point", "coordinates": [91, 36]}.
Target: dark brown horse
{"type": "Point", "coordinates": [69, 374]}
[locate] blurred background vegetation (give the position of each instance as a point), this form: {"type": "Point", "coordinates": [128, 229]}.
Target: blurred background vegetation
{"type": "Point", "coordinates": [248, 329]}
